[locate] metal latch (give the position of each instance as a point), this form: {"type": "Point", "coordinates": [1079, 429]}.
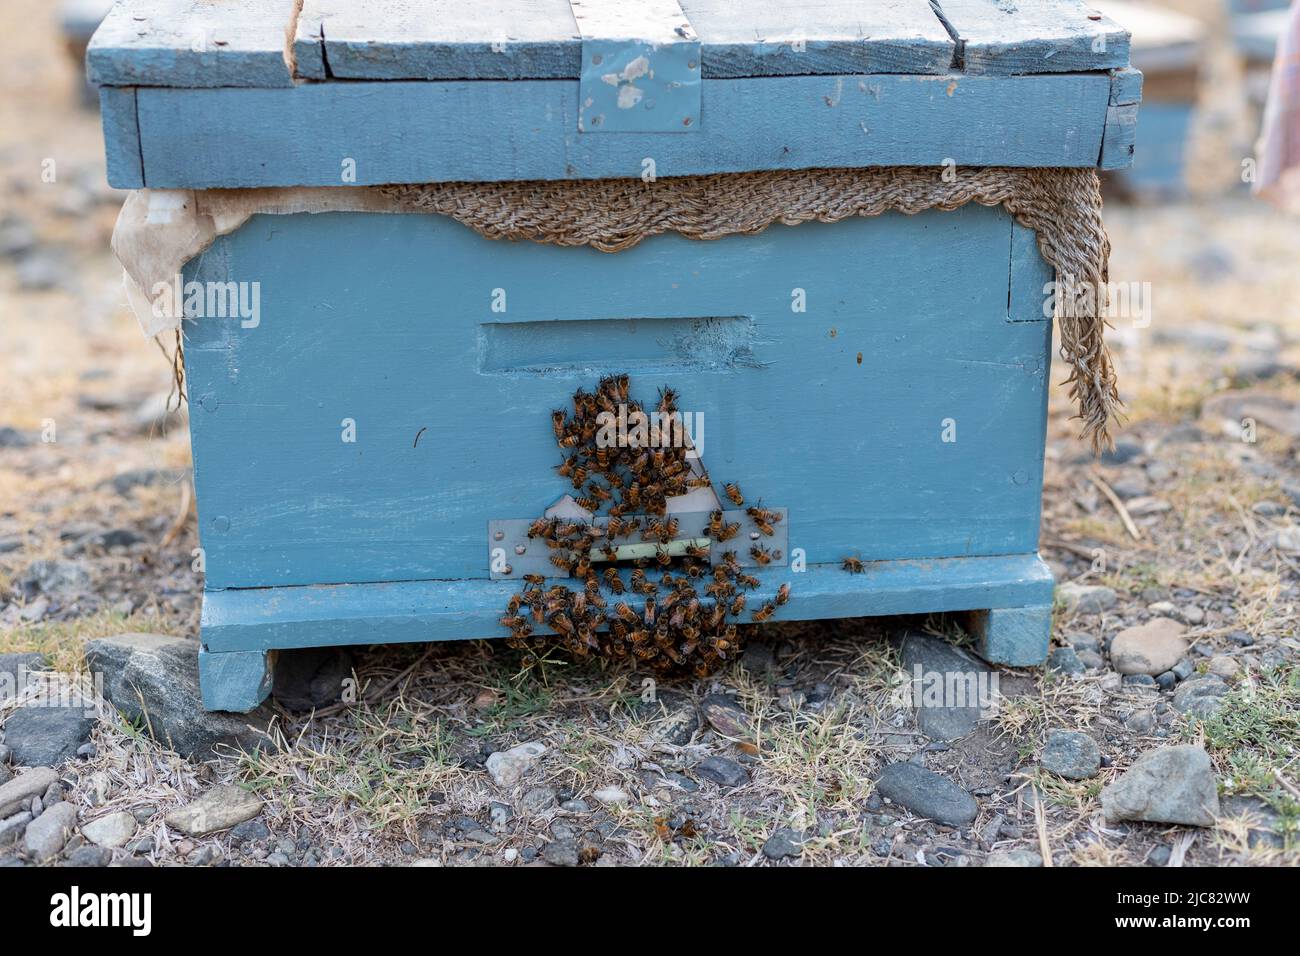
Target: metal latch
{"type": "Point", "coordinates": [640, 67]}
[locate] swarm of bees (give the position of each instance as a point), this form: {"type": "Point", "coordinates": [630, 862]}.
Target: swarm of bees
{"type": "Point", "coordinates": [689, 607]}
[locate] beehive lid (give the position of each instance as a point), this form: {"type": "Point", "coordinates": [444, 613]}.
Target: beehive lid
{"type": "Point", "coordinates": [326, 73]}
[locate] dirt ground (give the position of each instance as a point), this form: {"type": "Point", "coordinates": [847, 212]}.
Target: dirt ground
{"type": "Point", "coordinates": [1188, 519]}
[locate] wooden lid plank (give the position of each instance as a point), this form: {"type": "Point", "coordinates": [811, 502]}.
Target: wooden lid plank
{"type": "Point", "coordinates": [1033, 36]}
{"type": "Point", "coordinates": [192, 43]}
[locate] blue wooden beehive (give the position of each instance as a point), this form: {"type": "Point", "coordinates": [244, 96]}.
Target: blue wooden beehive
{"type": "Point", "coordinates": [366, 445]}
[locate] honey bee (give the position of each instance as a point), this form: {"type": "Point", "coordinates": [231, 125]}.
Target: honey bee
{"type": "Point", "coordinates": [853, 565]}
{"type": "Point", "coordinates": [782, 595]}
{"type": "Point", "coordinates": [650, 611]}
{"type": "Point", "coordinates": [698, 552]}
{"type": "Point", "coordinates": [748, 580]}
{"type": "Point", "coordinates": [733, 492]}
{"type": "Point", "coordinates": [512, 621]}
{"type": "Point", "coordinates": [626, 613]}
{"type": "Point", "coordinates": [761, 555]}
{"type": "Point", "coordinates": [534, 578]}
{"type": "Point", "coordinates": [738, 605]}
{"type": "Point", "coordinates": [763, 613]}
{"type": "Point", "coordinates": [557, 423]}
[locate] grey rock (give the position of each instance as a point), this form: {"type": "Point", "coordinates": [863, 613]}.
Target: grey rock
{"type": "Point", "coordinates": [1173, 784]}
{"type": "Point", "coordinates": [1139, 680]}
{"type": "Point", "coordinates": [15, 673]}
{"type": "Point", "coordinates": [538, 799]}
{"type": "Point", "coordinates": [1200, 697]}
{"type": "Point", "coordinates": [17, 237]}
{"type": "Point", "coordinates": [5, 773]}
{"type": "Point", "coordinates": [310, 677]}
{"type": "Point", "coordinates": [110, 831]}
{"type": "Point", "coordinates": [207, 855]}
{"type": "Point", "coordinates": [1071, 754]}
{"type": "Point", "coordinates": [17, 794]}
{"type": "Point", "coordinates": [1160, 856]}
{"type": "Point", "coordinates": [783, 844]}
{"type": "Point", "coordinates": [1086, 598]}
{"type": "Point", "coordinates": [561, 853]}
{"type": "Point", "coordinates": [1241, 639]}
{"type": "Point", "coordinates": [13, 827]}
{"type": "Point", "coordinates": [1091, 660]}
{"type": "Point", "coordinates": [1183, 669]}
{"type": "Point", "coordinates": [500, 815]}
{"type": "Point", "coordinates": [934, 667]}
{"type": "Point", "coordinates": [726, 716]}
{"type": "Point", "coordinates": [83, 856]}
{"type": "Point", "coordinates": [220, 808]}
{"type": "Point", "coordinates": [1125, 450]}
{"type": "Point", "coordinates": [759, 658]}
{"type": "Point", "coordinates": [507, 767]}
{"type": "Point", "coordinates": [927, 794]}
{"type": "Point", "coordinates": [1150, 648]}
{"type": "Point", "coordinates": [1020, 857]}
{"type": "Point", "coordinates": [43, 734]}
{"type": "Point", "coordinates": [1167, 680]}
{"type": "Point", "coordinates": [723, 771]}
{"type": "Point", "coordinates": [56, 577]}
{"type": "Point", "coordinates": [673, 718]}
{"type": "Point", "coordinates": [127, 481]}
{"type": "Point", "coordinates": [1065, 660]}
{"type": "Point", "coordinates": [1140, 721]}
{"type": "Point", "coordinates": [48, 834]}
{"type": "Point", "coordinates": [250, 831]}
{"type": "Point", "coordinates": [155, 676]}
{"type": "Point", "coordinates": [576, 806]}
{"type": "Point", "coordinates": [13, 438]}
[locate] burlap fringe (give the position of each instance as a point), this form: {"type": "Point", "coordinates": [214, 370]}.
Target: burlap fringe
{"type": "Point", "coordinates": [1062, 206]}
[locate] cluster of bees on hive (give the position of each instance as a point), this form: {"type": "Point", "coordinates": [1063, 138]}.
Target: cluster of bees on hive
{"type": "Point", "coordinates": [675, 612]}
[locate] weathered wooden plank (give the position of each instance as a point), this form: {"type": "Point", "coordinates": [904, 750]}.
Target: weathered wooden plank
{"type": "Point", "coordinates": [125, 163]}
{"type": "Point", "coordinates": [499, 130]}
{"type": "Point", "coordinates": [1033, 36]}
{"type": "Point", "coordinates": [258, 619]}
{"type": "Point", "coordinates": [1125, 87]}
{"type": "Point", "coordinates": [1118, 142]}
{"type": "Point", "coordinates": [640, 67]}
{"type": "Point", "coordinates": [387, 326]}
{"type": "Point", "coordinates": [192, 43]}
{"type": "Point", "coordinates": [236, 681]}
{"type": "Point", "coordinates": [1015, 636]}
{"type": "Point", "coordinates": [790, 37]}
{"type": "Point", "coordinates": [436, 40]}
{"type": "Point", "coordinates": [528, 39]}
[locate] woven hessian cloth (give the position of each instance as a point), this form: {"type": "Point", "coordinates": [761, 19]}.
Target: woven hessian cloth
{"type": "Point", "coordinates": [1062, 206]}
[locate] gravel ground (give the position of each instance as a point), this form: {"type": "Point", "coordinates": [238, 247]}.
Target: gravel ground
{"type": "Point", "coordinates": [1178, 555]}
